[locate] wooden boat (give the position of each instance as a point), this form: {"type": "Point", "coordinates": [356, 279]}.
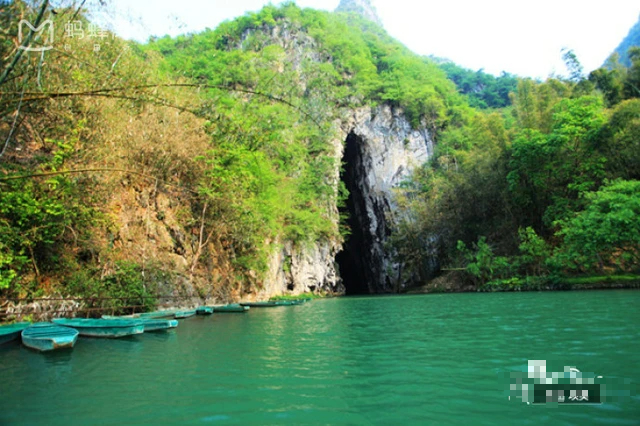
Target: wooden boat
{"type": "Point", "coordinates": [12, 331]}
{"type": "Point", "coordinates": [143, 315]}
{"type": "Point", "coordinates": [154, 324]}
{"type": "Point", "coordinates": [150, 324]}
{"type": "Point", "coordinates": [184, 314]}
{"type": "Point", "coordinates": [288, 302]}
{"type": "Point", "coordinates": [158, 314]}
{"type": "Point", "coordinates": [232, 307]}
{"type": "Point", "coordinates": [204, 310]}
{"type": "Point", "coordinates": [103, 327]}
{"type": "Point", "coordinates": [44, 336]}
{"type": "Point", "coordinates": [259, 304]}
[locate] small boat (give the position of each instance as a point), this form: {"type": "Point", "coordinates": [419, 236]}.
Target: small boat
{"type": "Point", "coordinates": [150, 324]}
{"type": "Point", "coordinates": [154, 324]}
{"type": "Point", "coordinates": [44, 336]}
{"type": "Point", "coordinates": [158, 314]}
{"type": "Point", "coordinates": [103, 327]}
{"type": "Point", "coordinates": [269, 304]}
{"type": "Point", "coordinates": [204, 310]}
{"type": "Point", "coordinates": [184, 314]}
{"type": "Point", "coordinates": [288, 302]}
{"type": "Point", "coordinates": [232, 307]}
{"type": "Point", "coordinates": [12, 331]}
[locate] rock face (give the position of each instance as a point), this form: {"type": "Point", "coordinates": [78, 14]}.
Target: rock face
{"type": "Point", "coordinates": [362, 7]}
{"type": "Point", "coordinates": [378, 149]}
{"type": "Point", "coordinates": [381, 150]}
{"type": "Point", "coordinates": [296, 270]}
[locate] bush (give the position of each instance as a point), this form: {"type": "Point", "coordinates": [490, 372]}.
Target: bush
{"type": "Point", "coordinates": [115, 293]}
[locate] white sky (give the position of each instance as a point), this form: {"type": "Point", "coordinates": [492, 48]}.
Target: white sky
{"type": "Point", "coordinates": [523, 38]}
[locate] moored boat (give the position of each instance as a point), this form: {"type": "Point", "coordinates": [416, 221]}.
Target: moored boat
{"type": "Point", "coordinates": [170, 313]}
{"type": "Point", "coordinates": [204, 310]}
{"type": "Point", "coordinates": [154, 324]}
{"type": "Point", "coordinates": [287, 302]}
{"type": "Point", "coordinates": [109, 328]}
{"type": "Point", "coordinates": [184, 314]}
{"type": "Point", "coordinates": [232, 307]}
{"type": "Point", "coordinates": [151, 324]}
{"type": "Point", "coordinates": [11, 332]}
{"type": "Point", "coordinates": [45, 336]}
{"type": "Point", "coordinates": [269, 304]}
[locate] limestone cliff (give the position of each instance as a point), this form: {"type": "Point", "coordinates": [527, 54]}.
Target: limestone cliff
{"type": "Point", "coordinates": [381, 150]}
{"type": "Point", "coordinates": [361, 7]}
{"type": "Point", "coordinates": [378, 149]}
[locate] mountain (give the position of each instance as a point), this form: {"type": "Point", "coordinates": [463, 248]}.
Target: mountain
{"type": "Point", "coordinates": [291, 151]}
{"type": "Point", "coordinates": [632, 39]}
{"type": "Point", "coordinates": [233, 163]}
{"type": "Point", "coordinates": [363, 8]}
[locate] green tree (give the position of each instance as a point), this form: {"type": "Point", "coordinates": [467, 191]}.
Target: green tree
{"type": "Point", "coordinates": [607, 232]}
{"type": "Point", "coordinates": [549, 172]}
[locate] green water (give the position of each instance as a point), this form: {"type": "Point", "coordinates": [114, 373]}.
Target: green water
{"type": "Point", "coordinates": [432, 359]}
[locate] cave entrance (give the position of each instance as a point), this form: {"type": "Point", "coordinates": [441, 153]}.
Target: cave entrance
{"type": "Point", "coordinates": [352, 260]}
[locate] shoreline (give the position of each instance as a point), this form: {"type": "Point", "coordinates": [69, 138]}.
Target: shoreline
{"type": "Point", "coordinates": [568, 284]}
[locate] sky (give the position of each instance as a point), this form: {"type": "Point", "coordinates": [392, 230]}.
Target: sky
{"type": "Point", "coordinates": [521, 37]}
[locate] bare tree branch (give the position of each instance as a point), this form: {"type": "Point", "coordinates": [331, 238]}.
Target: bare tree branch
{"type": "Point", "coordinates": [109, 92]}
{"type": "Point", "coordinates": [13, 127]}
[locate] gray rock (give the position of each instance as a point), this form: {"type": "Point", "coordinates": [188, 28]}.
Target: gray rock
{"type": "Point", "coordinates": [362, 7]}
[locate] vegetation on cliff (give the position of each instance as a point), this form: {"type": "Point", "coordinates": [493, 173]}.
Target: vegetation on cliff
{"type": "Point", "coordinates": [128, 170]}
{"type": "Point", "coordinates": [189, 159]}
{"type": "Point", "coordinates": [525, 195]}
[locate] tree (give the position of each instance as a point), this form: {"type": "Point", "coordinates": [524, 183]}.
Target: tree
{"type": "Point", "coordinates": [576, 71]}
{"type": "Point", "coordinates": [549, 171]}
{"type": "Point", "coordinates": [619, 141]}
{"type": "Point", "coordinates": [606, 232]}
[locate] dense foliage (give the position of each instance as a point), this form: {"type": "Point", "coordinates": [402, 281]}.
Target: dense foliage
{"type": "Point", "coordinates": [79, 135]}
{"type": "Point", "coordinates": [483, 90]}
{"type": "Point", "coordinates": [202, 154]}
{"type": "Point", "coordinates": [269, 170]}
{"type": "Point", "coordinates": [233, 126]}
{"type": "Point", "coordinates": [544, 189]}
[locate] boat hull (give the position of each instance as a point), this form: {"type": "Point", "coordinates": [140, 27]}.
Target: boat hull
{"type": "Point", "coordinates": [184, 314]}
{"type": "Point", "coordinates": [159, 324]}
{"type": "Point", "coordinates": [271, 303]}
{"type": "Point", "coordinates": [103, 328]}
{"type": "Point", "coordinates": [204, 310]}
{"type": "Point", "coordinates": [12, 332]}
{"type": "Point", "coordinates": [158, 314]}
{"type": "Point", "coordinates": [234, 307]}
{"type": "Point", "coordinates": [46, 337]}
{"type": "Point", "coordinates": [259, 304]}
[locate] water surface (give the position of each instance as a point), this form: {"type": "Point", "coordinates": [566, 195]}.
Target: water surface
{"type": "Point", "coordinates": [432, 359]}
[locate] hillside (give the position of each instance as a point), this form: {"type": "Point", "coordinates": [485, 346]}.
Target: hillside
{"type": "Point", "coordinates": [632, 39]}
{"type": "Point", "coordinates": [201, 166]}
{"type": "Point", "coordinates": [290, 151]}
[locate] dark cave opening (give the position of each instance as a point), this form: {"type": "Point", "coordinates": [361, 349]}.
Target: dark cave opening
{"type": "Point", "coordinates": [352, 260]}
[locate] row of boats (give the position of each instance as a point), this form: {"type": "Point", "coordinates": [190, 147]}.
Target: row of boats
{"type": "Point", "coordinates": [63, 332]}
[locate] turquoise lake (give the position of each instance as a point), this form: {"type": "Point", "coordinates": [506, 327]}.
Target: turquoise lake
{"type": "Point", "coordinates": [428, 359]}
